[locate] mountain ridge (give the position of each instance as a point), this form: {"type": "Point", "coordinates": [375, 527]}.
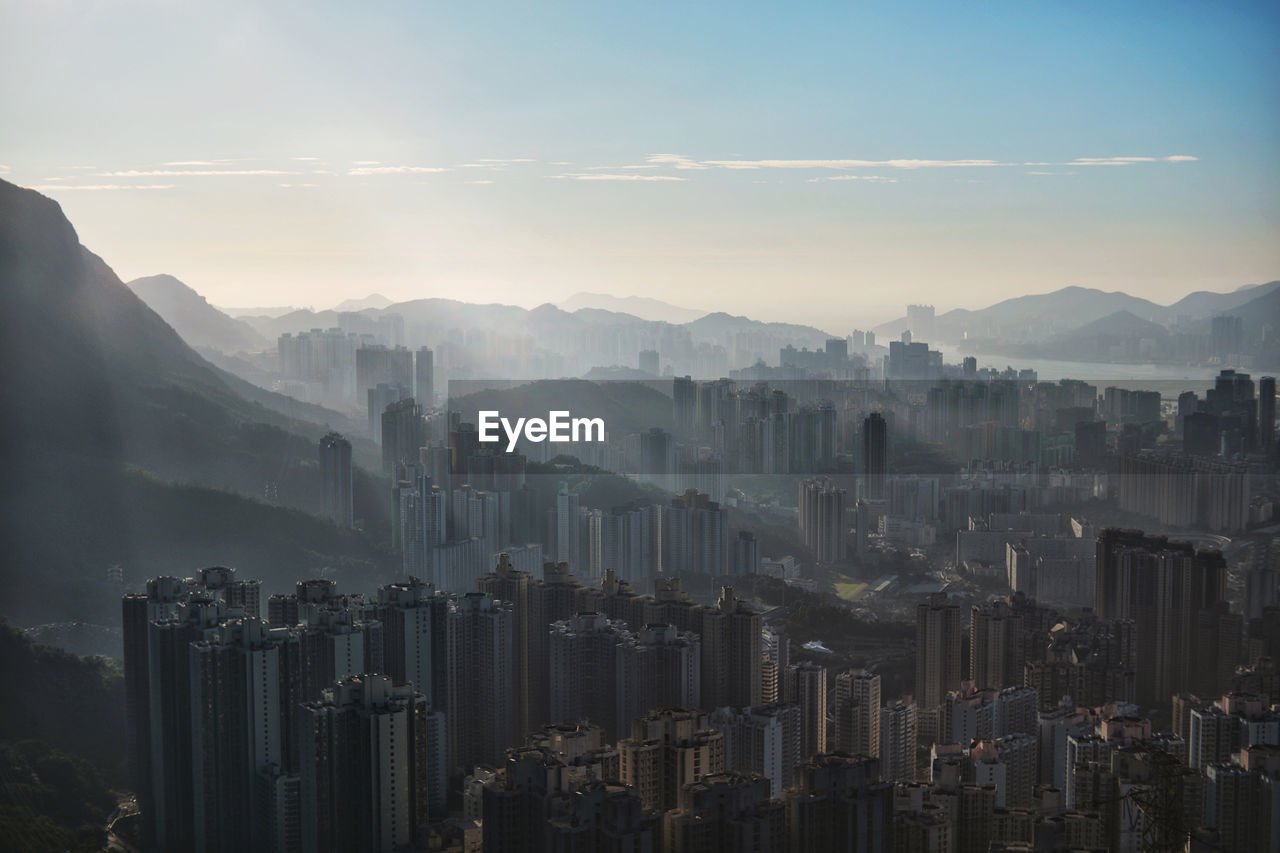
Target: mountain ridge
{"type": "Point", "coordinates": [642, 307]}
{"type": "Point", "coordinates": [119, 426]}
{"type": "Point", "coordinates": [193, 318]}
{"type": "Point", "coordinates": [1074, 306]}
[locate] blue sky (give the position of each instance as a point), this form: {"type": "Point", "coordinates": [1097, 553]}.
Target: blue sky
{"type": "Point", "coordinates": [824, 164]}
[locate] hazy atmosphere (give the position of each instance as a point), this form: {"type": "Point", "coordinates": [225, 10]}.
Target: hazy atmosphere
{"type": "Point", "coordinates": [708, 155]}
{"type": "Point", "coordinates": [639, 428]}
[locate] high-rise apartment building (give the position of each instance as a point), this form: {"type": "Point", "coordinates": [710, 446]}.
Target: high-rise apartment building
{"type": "Point", "coordinates": [583, 672]}
{"type": "Point", "coordinates": [568, 542]}
{"type": "Point", "coordinates": [555, 597]}
{"type": "Point", "coordinates": [807, 687]}
{"type": "Point", "coordinates": [240, 681]}
{"type": "Point", "coordinates": [730, 635]}
{"type": "Point", "coordinates": [629, 541]}
{"type": "Point", "coordinates": [822, 519]}
{"type": "Point", "coordinates": [179, 780]}
{"type": "Point", "coordinates": [378, 398]}
{"type": "Point", "coordinates": [722, 811]}
{"type": "Point", "coordinates": [668, 749]}
{"type": "Point", "coordinates": [745, 559]}
{"type": "Point", "coordinates": [403, 432]}
{"type": "Point", "coordinates": [695, 535]}
{"type": "Point", "coordinates": [506, 583]}
{"type": "Point", "coordinates": [365, 749]}
{"type": "Point", "coordinates": [684, 403]}
{"type": "Point", "coordinates": [937, 650]}
{"type": "Point", "coordinates": [1267, 416]}
{"type": "Point", "coordinates": [997, 645]}
{"type": "Point", "coordinates": [658, 667]}
{"type": "Point", "coordinates": [657, 454]}
{"type": "Point", "coordinates": [335, 479]}
{"type": "Point", "coordinates": [542, 801]}
{"type": "Point", "coordinates": [764, 739]}
{"type": "Point", "coordinates": [841, 806]}
{"type": "Point", "coordinates": [415, 620]}
{"type": "Point", "coordinates": [1180, 490]}
{"type": "Point", "coordinates": [376, 364]}
{"type": "Point", "coordinates": [1162, 586]}
{"type": "Point", "coordinates": [898, 741]}
{"type": "Point", "coordinates": [424, 383]}
{"type": "Point", "coordinates": [775, 656]}
{"type": "Point", "coordinates": [482, 690]}
{"type": "Point", "coordinates": [875, 455]}
{"type": "Point", "coordinates": [920, 321]}
{"type": "Point", "coordinates": [857, 713]}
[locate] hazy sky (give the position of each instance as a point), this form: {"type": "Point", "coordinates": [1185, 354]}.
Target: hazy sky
{"type": "Point", "coordinates": [823, 163]}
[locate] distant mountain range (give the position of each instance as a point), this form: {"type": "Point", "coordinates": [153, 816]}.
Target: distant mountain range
{"type": "Point", "coordinates": [1071, 308]}
{"type": "Point", "coordinates": [637, 306]}
{"type": "Point", "coordinates": [259, 311]}
{"type": "Point", "coordinates": [126, 447]}
{"type": "Point", "coordinates": [373, 300]}
{"type": "Point", "coordinates": [554, 327]}
{"type": "Point", "coordinates": [1096, 339]}
{"type": "Point", "coordinates": [202, 325]}
{"type": "Point", "coordinates": [1051, 325]}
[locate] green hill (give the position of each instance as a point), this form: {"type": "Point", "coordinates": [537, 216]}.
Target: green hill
{"type": "Point", "coordinates": [61, 743]}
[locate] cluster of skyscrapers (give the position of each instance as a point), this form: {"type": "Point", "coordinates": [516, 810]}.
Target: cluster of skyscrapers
{"type": "Point", "coordinates": [1106, 698]}
{"type": "Point", "coordinates": [341, 722]}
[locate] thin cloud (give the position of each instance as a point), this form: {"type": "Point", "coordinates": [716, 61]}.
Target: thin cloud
{"type": "Point", "coordinates": [851, 164]}
{"type": "Point", "coordinates": [608, 176]}
{"type": "Point", "coordinates": [193, 173]}
{"type": "Point", "coordinates": [297, 186]}
{"type": "Point", "coordinates": [1110, 161]}
{"type": "Point", "coordinates": [395, 170]}
{"type": "Point", "coordinates": [198, 162]}
{"type": "Point", "coordinates": [677, 161]}
{"type": "Point", "coordinates": [497, 164]}
{"type": "Point", "coordinates": [479, 182]}
{"type": "Point", "coordinates": [874, 179]}
{"type": "Point", "coordinates": [1128, 161]}
{"type": "Point", "coordinates": [306, 159]}
{"type": "Point", "coordinates": [366, 162]}
{"type": "Point", "coordinates": [4, 168]}
{"type": "Point", "coordinates": [102, 187]}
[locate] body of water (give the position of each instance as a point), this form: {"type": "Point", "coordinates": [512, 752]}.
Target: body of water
{"type": "Point", "coordinates": [1169, 379]}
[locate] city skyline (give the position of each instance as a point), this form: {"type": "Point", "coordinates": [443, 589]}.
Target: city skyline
{"type": "Point", "coordinates": [792, 531]}
{"type": "Point", "coordinates": [839, 155]}
{"type": "Point", "coordinates": [640, 427]}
